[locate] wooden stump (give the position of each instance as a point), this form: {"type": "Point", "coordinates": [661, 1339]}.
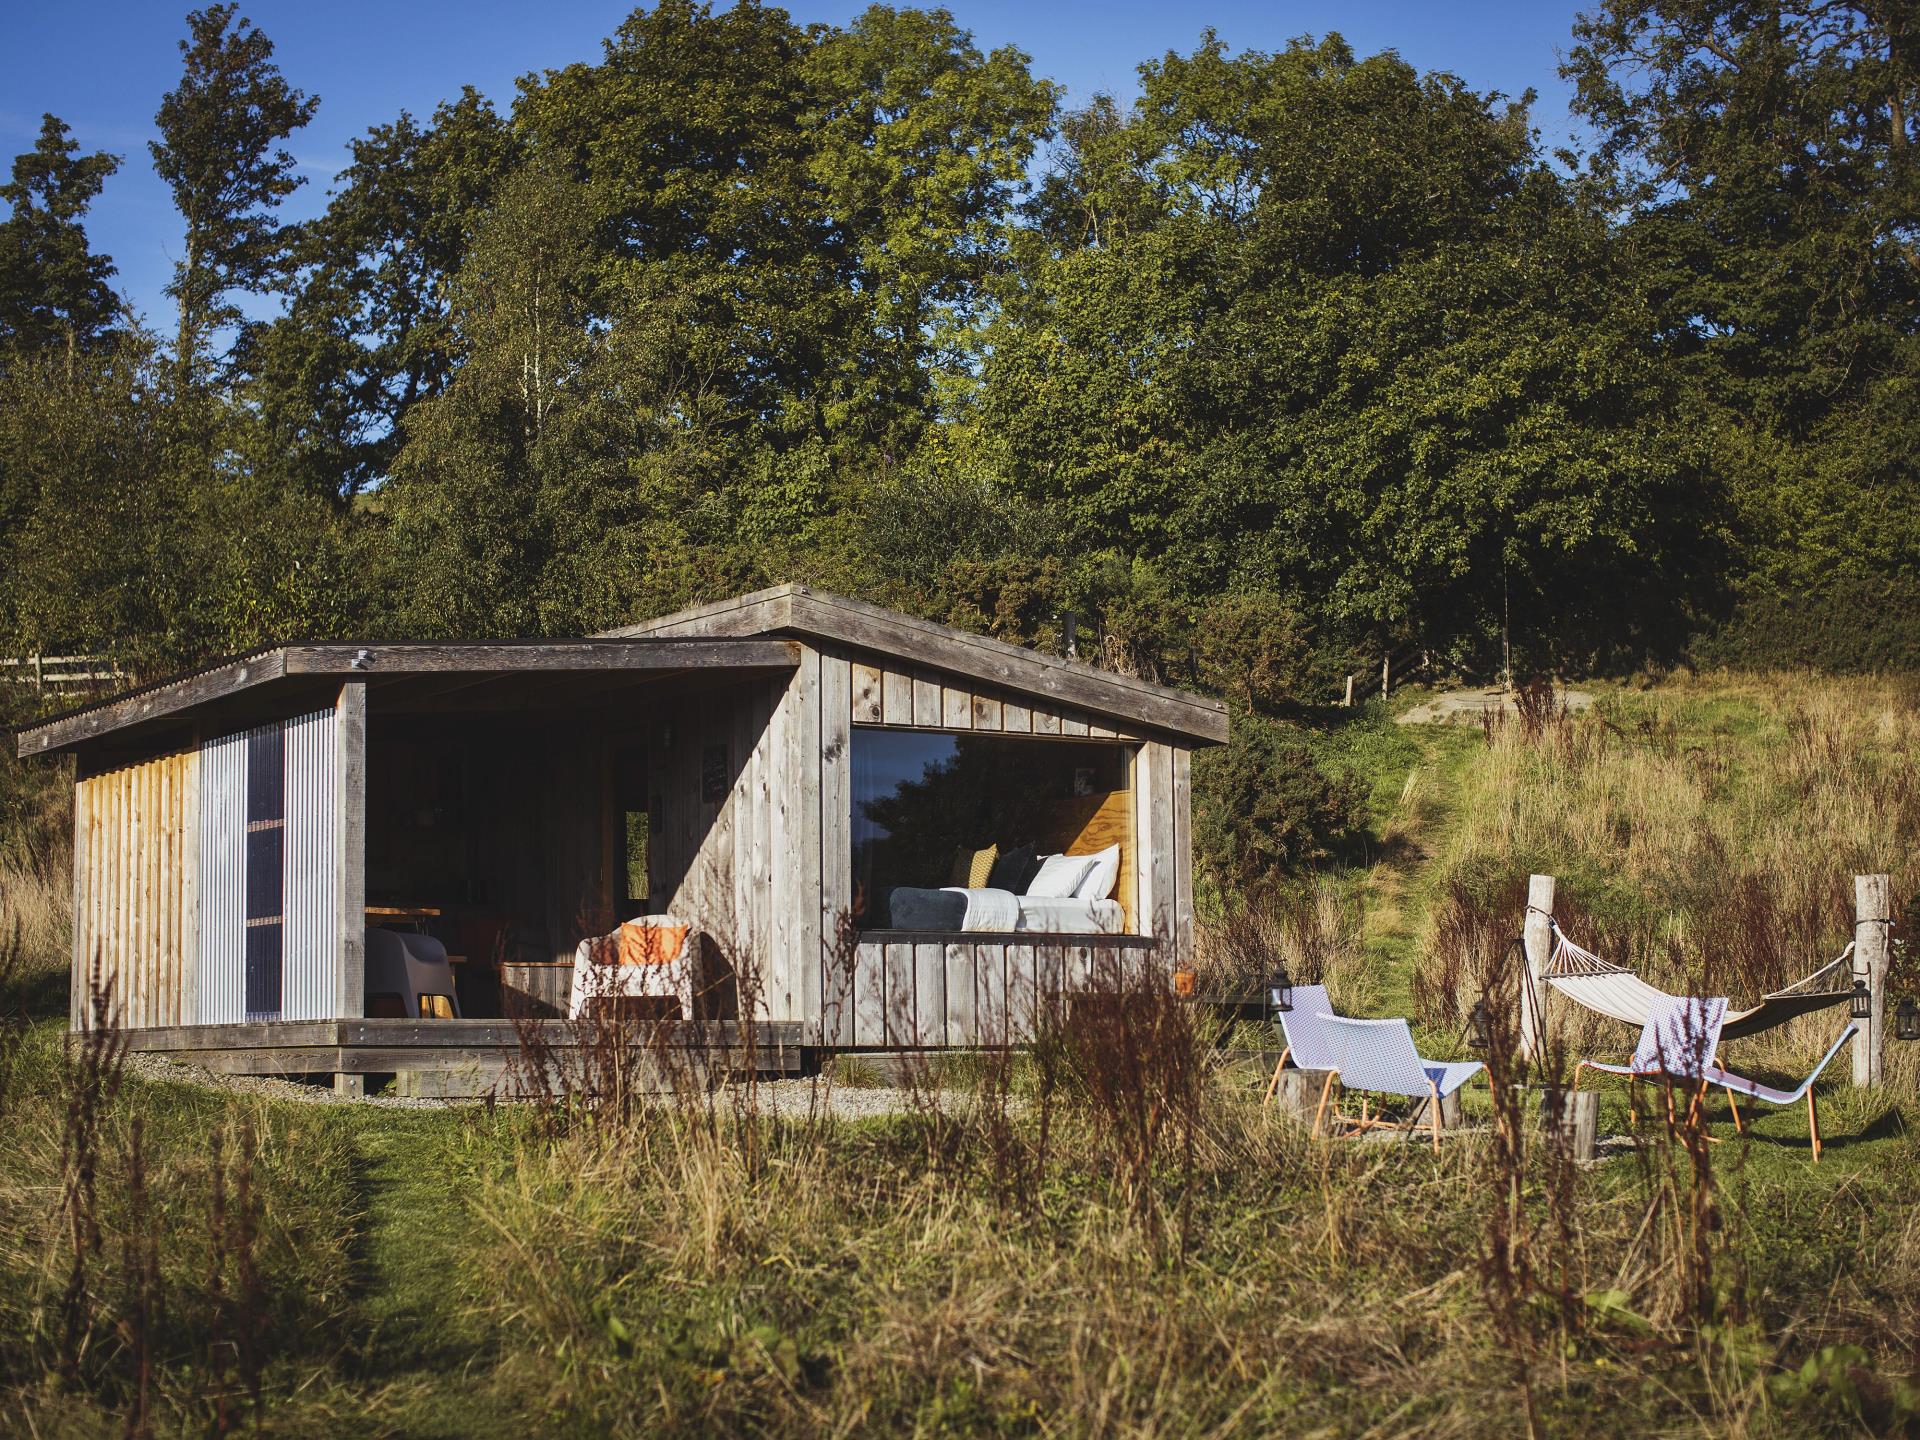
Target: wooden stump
{"type": "Point", "coordinates": [1449, 1113]}
{"type": "Point", "coordinates": [1301, 1090]}
{"type": "Point", "coordinates": [1579, 1120]}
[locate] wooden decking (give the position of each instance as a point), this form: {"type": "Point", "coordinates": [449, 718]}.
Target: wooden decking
{"type": "Point", "coordinates": [460, 1056]}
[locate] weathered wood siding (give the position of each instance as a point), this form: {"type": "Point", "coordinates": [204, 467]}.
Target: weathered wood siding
{"type": "Point", "coordinates": [880, 993]}
{"type": "Point", "coordinates": [927, 992]}
{"type": "Point", "coordinates": [710, 859]}
{"type": "Point", "coordinates": [882, 693]}
{"type": "Point", "coordinates": [136, 891]}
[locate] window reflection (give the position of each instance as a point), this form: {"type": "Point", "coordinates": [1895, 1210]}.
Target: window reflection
{"type": "Point", "coordinates": [922, 799]}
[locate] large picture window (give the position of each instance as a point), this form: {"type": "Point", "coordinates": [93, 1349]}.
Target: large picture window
{"type": "Point", "coordinates": [926, 803]}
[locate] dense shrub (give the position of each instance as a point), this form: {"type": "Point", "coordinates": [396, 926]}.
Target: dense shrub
{"type": "Point", "coordinates": [1257, 650]}
{"type": "Point", "coordinates": [1847, 624]}
{"type": "Point", "coordinates": [1262, 806]}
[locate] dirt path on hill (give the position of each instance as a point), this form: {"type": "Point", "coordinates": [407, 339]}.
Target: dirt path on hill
{"type": "Point", "coordinates": [1467, 707]}
{"type": "Point", "coordinates": [1399, 887]}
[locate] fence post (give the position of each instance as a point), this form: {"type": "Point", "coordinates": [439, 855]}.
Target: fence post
{"type": "Point", "coordinates": [1348, 702]}
{"type": "Point", "coordinates": [1538, 936]}
{"type": "Point", "coordinates": [1386, 670]}
{"type": "Point", "coordinates": [1872, 912]}
{"type": "Point", "coordinates": [39, 674]}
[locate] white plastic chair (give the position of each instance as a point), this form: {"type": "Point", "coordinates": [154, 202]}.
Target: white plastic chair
{"type": "Point", "coordinates": [1307, 1043]}
{"type": "Point", "coordinates": [411, 973]}
{"type": "Point", "coordinates": [607, 978]}
{"type": "Point", "coordinates": [1379, 1056]}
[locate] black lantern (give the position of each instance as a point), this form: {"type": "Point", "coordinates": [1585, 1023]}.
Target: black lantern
{"type": "Point", "coordinates": [1860, 1007]}
{"type": "Point", "coordinates": [1280, 992]}
{"type": "Point", "coordinates": [1480, 1025]}
{"type": "Point", "coordinates": [1906, 1019]}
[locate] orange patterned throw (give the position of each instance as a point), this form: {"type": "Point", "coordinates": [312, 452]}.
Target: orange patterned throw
{"type": "Point", "coordinates": [639, 943]}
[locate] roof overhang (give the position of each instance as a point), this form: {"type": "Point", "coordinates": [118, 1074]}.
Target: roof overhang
{"type": "Point", "coordinates": [815, 615]}
{"type": "Point", "coordinates": [405, 675]}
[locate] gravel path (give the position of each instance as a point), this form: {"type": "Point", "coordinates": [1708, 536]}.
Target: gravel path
{"type": "Point", "coordinates": [159, 1069]}
{"type": "Point", "coordinates": [790, 1099]}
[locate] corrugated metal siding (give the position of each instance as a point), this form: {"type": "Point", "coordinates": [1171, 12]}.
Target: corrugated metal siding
{"type": "Point", "coordinates": [223, 881]}
{"type": "Point", "coordinates": [308, 876]}
{"type": "Point", "coordinates": [312, 903]}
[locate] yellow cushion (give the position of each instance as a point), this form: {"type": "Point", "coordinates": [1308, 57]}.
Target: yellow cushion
{"type": "Point", "coordinates": [973, 867]}
{"type": "Point", "coordinates": [982, 868]}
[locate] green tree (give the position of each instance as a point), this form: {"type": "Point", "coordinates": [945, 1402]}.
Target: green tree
{"type": "Point", "coordinates": [1764, 155]}
{"type": "Point", "coordinates": [1327, 331]}
{"type": "Point", "coordinates": [220, 154]}
{"type": "Point", "coordinates": [54, 290]}
{"type": "Point", "coordinates": [369, 331]}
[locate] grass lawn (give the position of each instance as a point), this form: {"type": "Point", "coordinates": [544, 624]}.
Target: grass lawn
{"type": "Point", "coordinates": [1190, 1264]}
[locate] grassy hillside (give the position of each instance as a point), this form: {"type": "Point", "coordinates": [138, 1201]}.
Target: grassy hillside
{"type": "Point", "coordinates": [1042, 1250]}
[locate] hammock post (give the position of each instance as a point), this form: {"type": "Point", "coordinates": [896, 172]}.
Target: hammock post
{"type": "Point", "coordinates": [1538, 935]}
{"type": "Point", "coordinates": [1872, 913]}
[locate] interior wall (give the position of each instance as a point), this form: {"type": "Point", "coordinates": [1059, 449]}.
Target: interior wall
{"type": "Point", "coordinates": [514, 823]}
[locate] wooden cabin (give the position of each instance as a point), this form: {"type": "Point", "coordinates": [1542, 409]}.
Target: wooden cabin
{"type": "Point", "coordinates": [774, 769]}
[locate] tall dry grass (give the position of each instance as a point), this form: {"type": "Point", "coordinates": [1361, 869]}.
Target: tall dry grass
{"type": "Point", "coordinates": [1314, 933]}
{"type": "Point", "coordinates": [1705, 833]}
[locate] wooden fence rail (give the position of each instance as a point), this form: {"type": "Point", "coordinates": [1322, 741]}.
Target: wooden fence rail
{"type": "Point", "coordinates": [60, 672]}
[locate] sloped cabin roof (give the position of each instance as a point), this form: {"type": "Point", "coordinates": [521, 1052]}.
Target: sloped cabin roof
{"type": "Point", "coordinates": [813, 615]}
{"type": "Point", "coordinates": [732, 638]}
{"type": "Point", "coordinates": [417, 677]}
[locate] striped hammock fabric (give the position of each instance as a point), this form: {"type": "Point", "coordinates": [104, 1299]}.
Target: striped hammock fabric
{"type": "Point", "coordinates": [1602, 986]}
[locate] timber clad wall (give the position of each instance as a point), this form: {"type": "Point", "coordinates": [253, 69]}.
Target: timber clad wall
{"type": "Point", "coordinates": [135, 889]}
{"type": "Point", "coordinates": [980, 992]}
{"type": "Point", "coordinates": [968, 993]}
{"type": "Point", "coordinates": [752, 812]}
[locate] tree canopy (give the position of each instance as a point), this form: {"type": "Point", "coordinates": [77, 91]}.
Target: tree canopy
{"type": "Point", "coordinates": [1301, 357]}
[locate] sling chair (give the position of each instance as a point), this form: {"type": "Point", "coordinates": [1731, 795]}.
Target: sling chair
{"type": "Point", "coordinates": [1307, 1043]}
{"type": "Point", "coordinates": [1681, 1041]}
{"type": "Point", "coordinates": [1379, 1056]}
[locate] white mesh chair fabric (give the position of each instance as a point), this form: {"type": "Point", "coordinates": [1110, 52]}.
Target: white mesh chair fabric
{"type": "Point", "coordinates": [1306, 1038]}
{"type": "Point", "coordinates": [674, 980]}
{"type": "Point", "coordinates": [1379, 1055]}
{"type": "Point", "coordinates": [1714, 1075]}
{"type": "Point", "coordinates": [1681, 1038]}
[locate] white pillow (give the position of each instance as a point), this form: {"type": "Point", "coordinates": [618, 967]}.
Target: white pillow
{"type": "Point", "coordinates": [1059, 875]}
{"type": "Point", "coordinates": [1101, 875]}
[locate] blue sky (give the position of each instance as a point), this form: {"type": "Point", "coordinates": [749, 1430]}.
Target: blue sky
{"type": "Point", "coordinates": [102, 67]}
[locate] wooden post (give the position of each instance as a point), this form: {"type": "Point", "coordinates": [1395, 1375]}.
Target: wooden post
{"type": "Point", "coordinates": [1386, 673]}
{"type": "Point", "coordinates": [1872, 911]}
{"type": "Point", "coordinates": [39, 674]}
{"type": "Point", "coordinates": [1348, 702]}
{"type": "Point", "coordinates": [1304, 1094]}
{"type": "Point", "coordinates": [1538, 934]}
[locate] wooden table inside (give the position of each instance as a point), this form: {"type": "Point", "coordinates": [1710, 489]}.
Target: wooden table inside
{"type": "Point", "coordinates": [402, 914]}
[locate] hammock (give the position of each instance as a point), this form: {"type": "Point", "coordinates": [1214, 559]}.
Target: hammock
{"type": "Point", "coordinates": [1586, 979]}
